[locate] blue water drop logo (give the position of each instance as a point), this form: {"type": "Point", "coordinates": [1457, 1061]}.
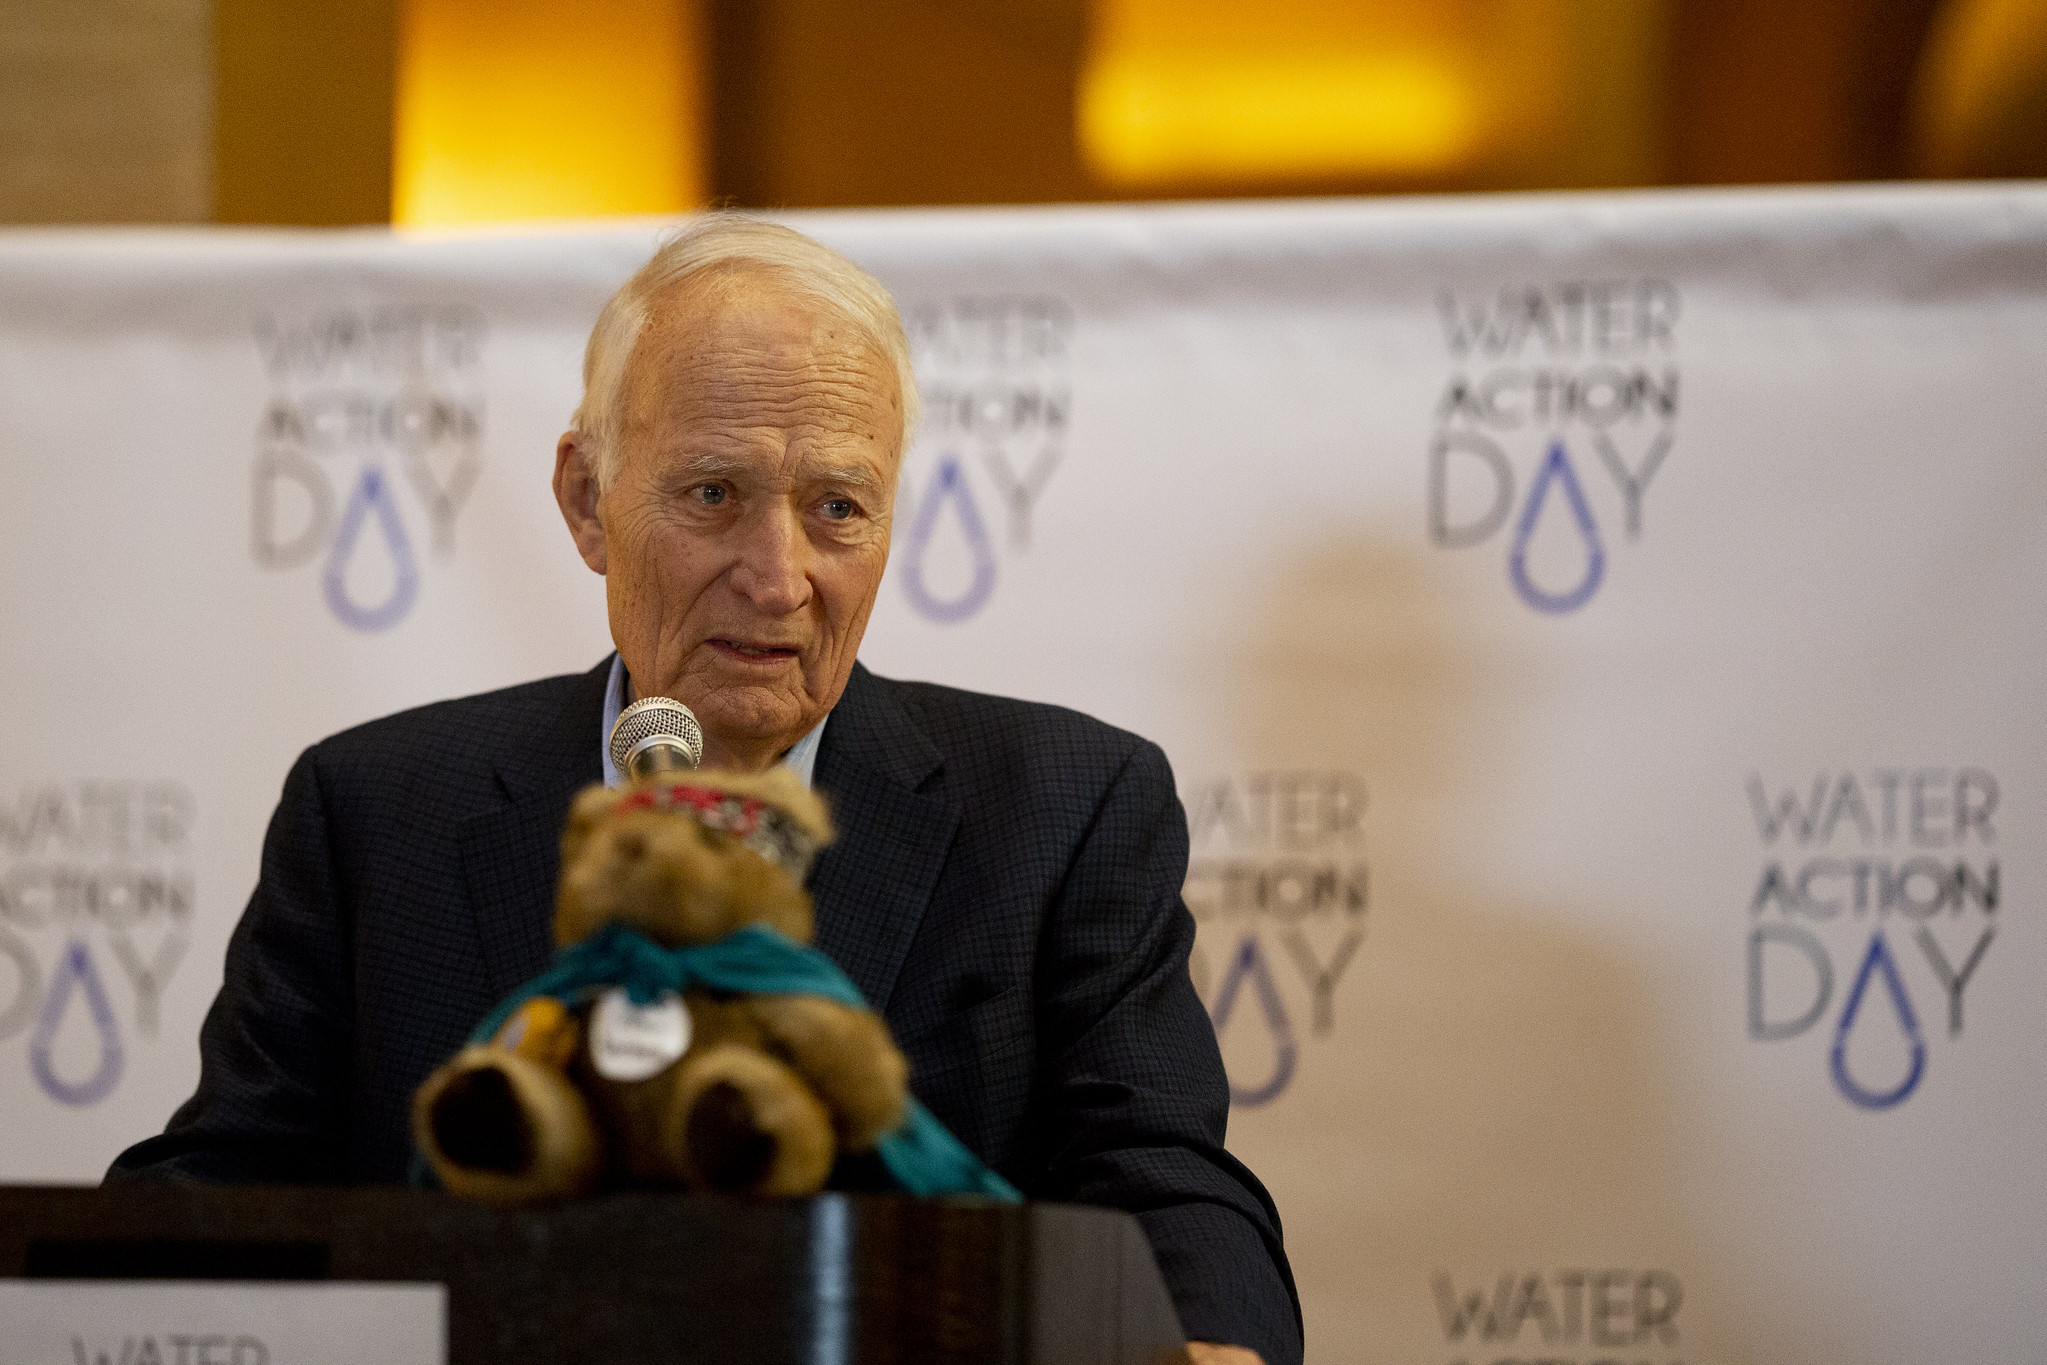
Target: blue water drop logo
{"type": "Point", "coordinates": [1878, 959]}
{"type": "Point", "coordinates": [948, 488]}
{"type": "Point", "coordinates": [373, 493]}
{"type": "Point", "coordinates": [1556, 472]}
{"type": "Point", "coordinates": [1249, 962]}
{"type": "Point", "coordinates": [75, 973]}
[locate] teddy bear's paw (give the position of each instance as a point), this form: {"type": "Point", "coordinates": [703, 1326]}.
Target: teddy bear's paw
{"type": "Point", "coordinates": [499, 1127]}
{"type": "Point", "coordinates": [743, 1123]}
{"type": "Point", "coordinates": [845, 1054]}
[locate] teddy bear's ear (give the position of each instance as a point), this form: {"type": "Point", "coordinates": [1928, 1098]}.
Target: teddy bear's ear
{"type": "Point", "coordinates": [592, 805]}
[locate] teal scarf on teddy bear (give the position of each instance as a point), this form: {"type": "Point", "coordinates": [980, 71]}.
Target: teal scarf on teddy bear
{"type": "Point", "coordinates": [921, 1155]}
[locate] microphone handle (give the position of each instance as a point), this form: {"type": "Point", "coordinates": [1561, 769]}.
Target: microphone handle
{"type": "Point", "coordinates": [659, 760]}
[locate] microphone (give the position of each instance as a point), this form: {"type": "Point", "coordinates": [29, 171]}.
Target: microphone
{"type": "Point", "coordinates": [656, 735]}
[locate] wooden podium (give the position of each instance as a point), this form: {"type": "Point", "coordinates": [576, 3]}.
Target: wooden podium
{"type": "Point", "coordinates": [650, 1277]}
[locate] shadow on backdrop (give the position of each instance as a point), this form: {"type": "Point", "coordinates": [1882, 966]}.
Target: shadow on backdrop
{"type": "Point", "coordinates": [1490, 1097]}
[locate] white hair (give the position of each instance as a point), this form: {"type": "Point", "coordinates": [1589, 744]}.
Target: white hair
{"type": "Point", "coordinates": [724, 242]}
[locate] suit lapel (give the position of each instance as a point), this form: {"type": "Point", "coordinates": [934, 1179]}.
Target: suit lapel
{"type": "Point", "coordinates": [872, 885]}
{"type": "Point", "coordinates": [511, 856]}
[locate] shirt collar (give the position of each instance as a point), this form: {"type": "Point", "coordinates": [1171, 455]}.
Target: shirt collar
{"type": "Point", "coordinates": [801, 758]}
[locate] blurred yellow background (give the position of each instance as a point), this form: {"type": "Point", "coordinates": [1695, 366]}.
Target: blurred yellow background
{"type": "Point", "coordinates": [427, 112]}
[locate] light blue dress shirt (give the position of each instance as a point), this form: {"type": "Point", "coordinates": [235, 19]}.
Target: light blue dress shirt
{"type": "Point", "coordinates": [801, 758]}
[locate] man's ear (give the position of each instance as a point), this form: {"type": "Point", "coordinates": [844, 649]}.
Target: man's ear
{"type": "Point", "coordinates": [576, 491]}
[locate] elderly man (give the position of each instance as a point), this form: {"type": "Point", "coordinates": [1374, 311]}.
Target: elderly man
{"type": "Point", "coordinates": [1006, 886]}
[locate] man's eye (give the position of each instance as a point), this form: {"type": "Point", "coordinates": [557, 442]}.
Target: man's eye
{"type": "Point", "coordinates": [711, 494]}
{"type": "Point", "coordinates": [839, 509]}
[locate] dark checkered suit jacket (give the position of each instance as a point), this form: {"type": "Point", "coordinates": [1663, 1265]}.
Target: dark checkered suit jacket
{"type": "Point", "coordinates": [1005, 889]}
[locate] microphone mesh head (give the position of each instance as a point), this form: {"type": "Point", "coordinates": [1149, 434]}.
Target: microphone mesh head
{"type": "Point", "coordinates": [650, 717]}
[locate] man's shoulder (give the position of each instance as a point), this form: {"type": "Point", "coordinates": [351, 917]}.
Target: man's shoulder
{"type": "Point", "coordinates": [981, 735]}
{"type": "Point", "coordinates": [956, 710]}
{"type": "Point", "coordinates": [493, 717]}
{"type": "Point", "coordinates": [465, 737]}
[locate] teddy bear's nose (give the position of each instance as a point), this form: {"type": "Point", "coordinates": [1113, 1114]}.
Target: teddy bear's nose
{"type": "Point", "coordinates": [631, 845]}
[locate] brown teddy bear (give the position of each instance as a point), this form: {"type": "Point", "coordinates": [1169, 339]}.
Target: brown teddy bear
{"type": "Point", "coordinates": [614, 1080]}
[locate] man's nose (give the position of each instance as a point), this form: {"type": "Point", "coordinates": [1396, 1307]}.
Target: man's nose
{"type": "Point", "coordinates": [770, 571]}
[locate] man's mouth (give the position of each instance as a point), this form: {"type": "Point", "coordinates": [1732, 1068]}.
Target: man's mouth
{"type": "Point", "coordinates": [753, 651]}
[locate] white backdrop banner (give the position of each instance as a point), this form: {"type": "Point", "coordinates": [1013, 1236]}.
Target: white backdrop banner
{"type": "Point", "coordinates": [1598, 638]}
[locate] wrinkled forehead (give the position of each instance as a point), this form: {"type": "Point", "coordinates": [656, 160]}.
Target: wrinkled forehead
{"type": "Point", "coordinates": [740, 342]}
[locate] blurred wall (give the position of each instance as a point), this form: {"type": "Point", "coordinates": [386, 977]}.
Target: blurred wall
{"type": "Point", "coordinates": [510, 109]}
{"type": "Point", "coordinates": [1981, 98]}
{"type": "Point", "coordinates": [421, 111]}
{"type": "Point", "coordinates": [818, 102]}
{"type": "Point", "coordinates": [1765, 91]}
{"type": "Point", "coordinates": [106, 111]}
{"type": "Point", "coordinates": [302, 133]}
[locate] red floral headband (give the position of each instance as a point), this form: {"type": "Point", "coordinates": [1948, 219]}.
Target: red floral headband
{"type": "Point", "coordinates": [766, 829]}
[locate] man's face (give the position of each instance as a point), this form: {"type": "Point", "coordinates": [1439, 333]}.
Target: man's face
{"type": "Point", "coordinates": [747, 526]}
